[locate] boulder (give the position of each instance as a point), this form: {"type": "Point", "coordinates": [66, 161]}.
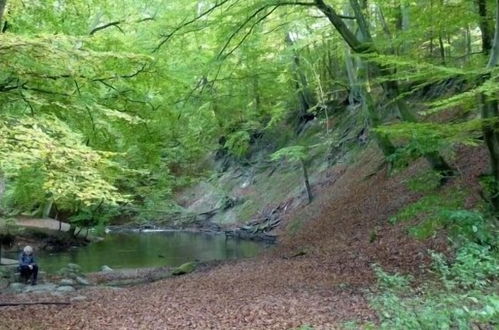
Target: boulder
{"type": "Point", "coordinates": [70, 271]}
{"type": "Point", "coordinates": [106, 269]}
{"type": "Point", "coordinates": [82, 281]}
{"type": "Point", "coordinates": [186, 268]}
{"type": "Point", "coordinates": [67, 281]}
{"type": "Point", "coordinates": [66, 288]}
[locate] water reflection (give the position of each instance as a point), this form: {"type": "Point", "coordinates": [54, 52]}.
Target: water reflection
{"type": "Point", "coordinates": [135, 250]}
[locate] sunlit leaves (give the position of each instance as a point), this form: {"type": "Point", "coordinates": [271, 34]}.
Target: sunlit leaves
{"type": "Point", "coordinates": [73, 173]}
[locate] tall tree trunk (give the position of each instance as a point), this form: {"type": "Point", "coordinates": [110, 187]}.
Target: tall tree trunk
{"type": "Point", "coordinates": [354, 94]}
{"type": "Point", "coordinates": [484, 25]}
{"type": "Point", "coordinates": [494, 53]}
{"type": "Point", "coordinates": [403, 23]}
{"type": "Point", "coordinates": [371, 110]}
{"type": "Point", "coordinates": [490, 116]}
{"type": "Point", "coordinates": [3, 4]}
{"type": "Point", "coordinates": [305, 95]}
{"type": "Point", "coordinates": [390, 87]}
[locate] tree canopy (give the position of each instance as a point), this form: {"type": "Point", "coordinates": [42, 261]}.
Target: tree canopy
{"type": "Point", "coordinates": [117, 102]}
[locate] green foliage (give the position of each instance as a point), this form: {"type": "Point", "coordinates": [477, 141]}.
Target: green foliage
{"type": "Point", "coordinates": [464, 296]}
{"type": "Point", "coordinates": [430, 205]}
{"type": "Point", "coordinates": [63, 169]}
{"type": "Point", "coordinates": [424, 138]}
{"type": "Point", "coordinates": [475, 266]}
{"type": "Point", "coordinates": [426, 182]}
{"type": "Point", "coordinates": [436, 212]}
{"type": "Point", "coordinates": [394, 282]}
{"type": "Point", "coordinates": [238, 143]}
{"type": "Point", "coordinates": [151, 94]}
{"type": "Point", "coordinates": [26, 192]}
{"type": "Point", "coordinates": [293, 153]}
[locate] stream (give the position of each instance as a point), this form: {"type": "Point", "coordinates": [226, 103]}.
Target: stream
{"type": "Point", "coordinates": [150, 249]}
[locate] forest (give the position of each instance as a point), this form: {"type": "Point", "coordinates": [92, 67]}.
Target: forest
{"type": "Point", "coordinates": [250, 164]}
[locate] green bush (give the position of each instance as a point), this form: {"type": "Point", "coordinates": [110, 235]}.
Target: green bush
{"type": "Point", "coordinates": [463, 296]}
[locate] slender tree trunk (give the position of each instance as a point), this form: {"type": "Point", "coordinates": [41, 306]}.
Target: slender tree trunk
{"type": "Point", "coordinates": [371, 110]}
{"type": "Point", "coordinates": [467, 38]}
{"type": "Point", "coordinates": [307, 182]}
{"type": "Point", "coordinates": [72, 230]}
{"type": "Point", "coordinates": [490, 117]}
{"type": "Point", "coordinates": [3, 4]}
{"type": "Point", "coordinates": [355, 93]}
{"type": "Point", "coordinates": [494, 55]}
{"type": "Point", "coordinates": [47, 209]}
{"type": "Point", "coordinates": [484, 25]}
{"type": "Point", "coordinates": [403, 23]}
{"type": "Point", "coordinates": [442, 49]}
{"type": "Point", "coordinates": [305, 95]}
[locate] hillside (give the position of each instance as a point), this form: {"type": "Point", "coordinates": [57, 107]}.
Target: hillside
{"type": "Point", "coordinates": [319, 274]}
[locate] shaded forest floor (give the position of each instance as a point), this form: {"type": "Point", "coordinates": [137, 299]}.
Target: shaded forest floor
{"type": "Point", "coordinates": [318, 275]}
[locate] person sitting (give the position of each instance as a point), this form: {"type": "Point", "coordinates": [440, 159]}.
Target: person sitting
{"type": "Point", "coordinates": [28, 266]}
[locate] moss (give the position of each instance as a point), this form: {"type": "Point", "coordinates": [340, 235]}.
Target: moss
{"type": "Point", "coordinates": [186, 268]}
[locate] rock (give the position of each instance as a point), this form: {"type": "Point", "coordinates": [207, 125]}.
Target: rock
{"type": "Point", "coordinates": [70, 271]}
{"type": "Point", "coordinates": [67, 281]}
{"type": "Point", "coordinates": [186, 268]}
{"type": "Point", "coordinates": [81, 281]}
{"type": "Point", "coordinates": [9, 262]}
{"type": "Point", "coordinates": [106, 269]}
{"type": "Point", "coordinates": [49, 287]}
{"type": "Point", "coordinates": [66, 288]}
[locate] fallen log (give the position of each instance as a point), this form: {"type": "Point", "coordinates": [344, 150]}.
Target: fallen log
{"type": "Point", "coordinates": [34, 303]}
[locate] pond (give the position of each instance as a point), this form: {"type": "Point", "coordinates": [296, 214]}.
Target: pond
{"type": "Point", "coordinates": [150, 249]}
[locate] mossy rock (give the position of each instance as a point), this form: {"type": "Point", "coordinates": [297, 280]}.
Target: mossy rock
{"type": "Point", "coordinates": [186, 268]}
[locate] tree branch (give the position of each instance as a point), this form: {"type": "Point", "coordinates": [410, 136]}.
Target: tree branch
{"type": "Point", "coordinates": [116, 24]}
{"type": "Point", "coordinates": [189, 22]}
{"type": "Point", "coordinates": [252, 16]}
{"type": "Point", "coordinates": [105, 26]}
{"type": "Point", "coordinates": [34, 303]}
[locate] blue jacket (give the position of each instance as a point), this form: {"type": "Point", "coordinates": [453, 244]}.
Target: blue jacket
{"type": "Point", "coordinates": [26, 260]}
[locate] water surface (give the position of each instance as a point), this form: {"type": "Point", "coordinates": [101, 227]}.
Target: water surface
{"type": "Point", "coordinates": [153, 249]}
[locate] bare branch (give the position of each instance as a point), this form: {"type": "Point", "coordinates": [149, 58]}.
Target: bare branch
{"type": "Point", "coordinates": [189, 22]}
{"type": "Point", "coordinates": [116, 24]}
{"type": "Point", "coordinates": [105, 26]}
{"type": "Point", "coordinates": [252, 16]}
{"type": "Point", "coordinates": [246, 35]}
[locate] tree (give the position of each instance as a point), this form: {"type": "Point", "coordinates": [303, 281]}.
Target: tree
{"type": "Point", "coordinates": [296, 154]}
{"type": "Point", "coordinates": [490, 116]}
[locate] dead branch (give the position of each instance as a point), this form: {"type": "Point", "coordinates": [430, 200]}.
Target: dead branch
{"type": "Point", "coordinates": [34, 303]}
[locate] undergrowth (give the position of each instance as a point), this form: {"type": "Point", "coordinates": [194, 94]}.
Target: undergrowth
{"type": "Point", "coordinates": [462, 291]}
{"type": "Point", "coordinates": [464, 294]}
